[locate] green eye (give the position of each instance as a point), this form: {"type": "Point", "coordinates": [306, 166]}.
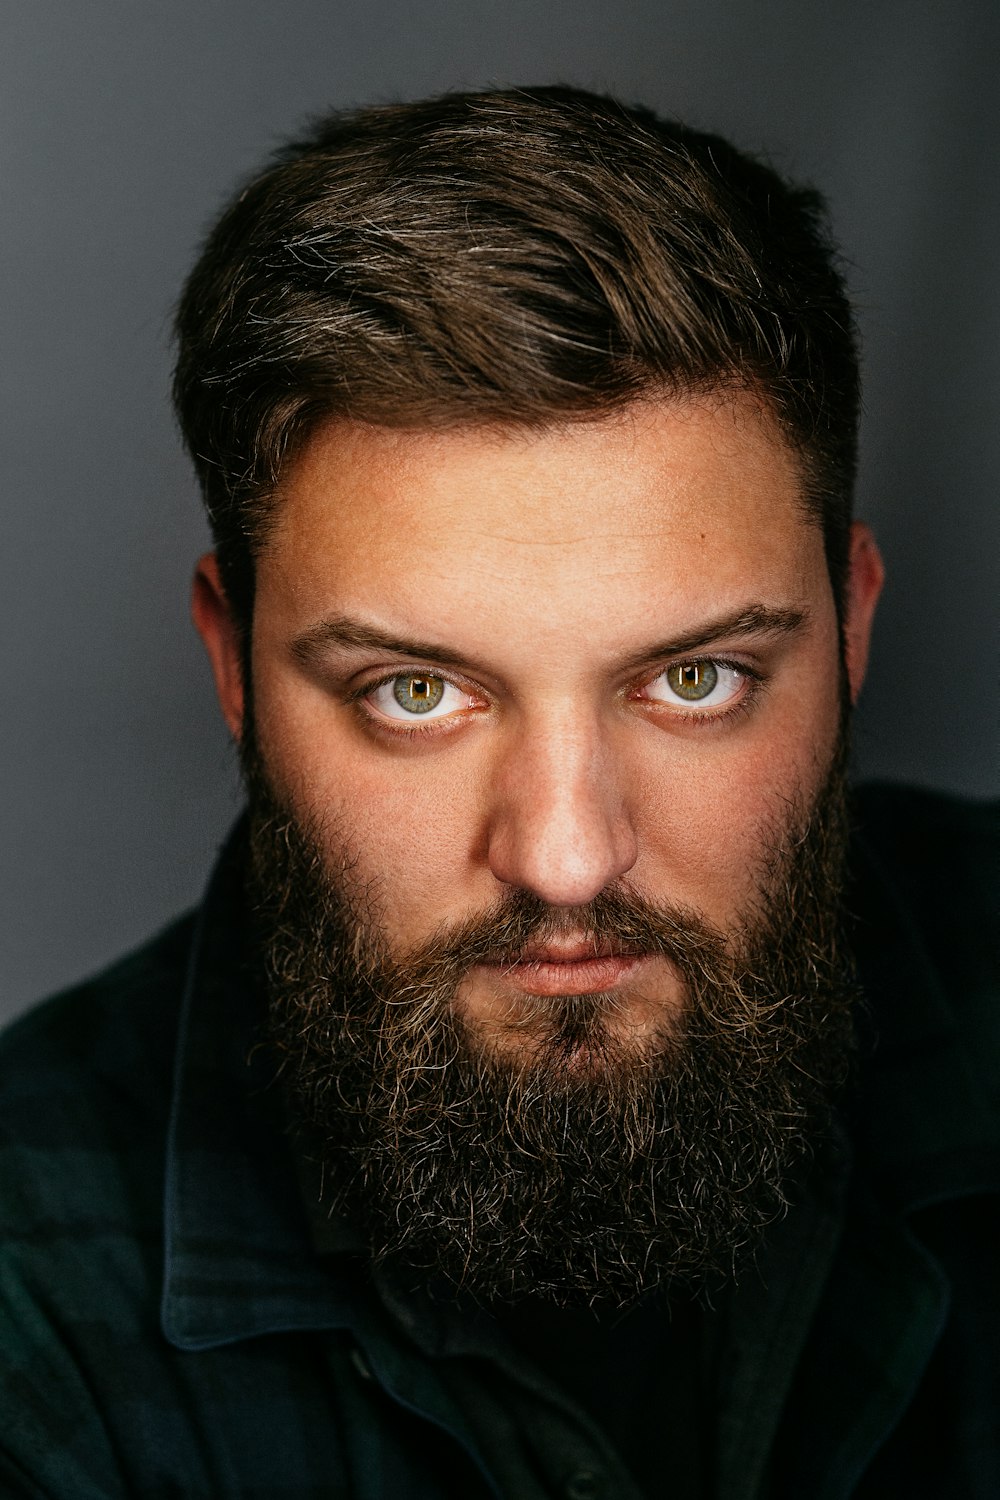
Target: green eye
{"type": "Point", "coordinates": [418, 695]}
{"type": "Point", "coordinates": [693, 680]}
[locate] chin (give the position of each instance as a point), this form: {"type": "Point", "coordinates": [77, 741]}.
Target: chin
{"type": "Point", "coordinates": [591, 1035]}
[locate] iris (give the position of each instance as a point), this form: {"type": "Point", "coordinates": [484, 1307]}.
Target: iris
{"type": "Point", "coordinates": [418, 694]}
{"type": "Point", "coordinates": [693, 679]}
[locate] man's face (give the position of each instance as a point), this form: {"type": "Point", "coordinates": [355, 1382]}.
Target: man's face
{"type": "Point", "coordinates": [540, 716]}
{"type": "Point", "coordinates": [551, 662]}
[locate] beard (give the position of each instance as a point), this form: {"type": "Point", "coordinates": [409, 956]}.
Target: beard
{"type": "Point", "coordinates": [559, 1157]}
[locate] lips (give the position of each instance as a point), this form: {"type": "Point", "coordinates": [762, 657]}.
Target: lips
{"type": "Point", "coordinates": [581, 968]}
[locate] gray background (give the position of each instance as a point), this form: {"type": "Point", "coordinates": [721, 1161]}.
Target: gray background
{"type": "Point", "coordinates": [124, 124]}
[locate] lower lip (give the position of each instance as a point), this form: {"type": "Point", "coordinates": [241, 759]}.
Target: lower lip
{"type": "Point", "coordinates": [587, 976]}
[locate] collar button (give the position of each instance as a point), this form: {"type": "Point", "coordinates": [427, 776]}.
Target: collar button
{"type": "Point", "coordinates": [585, 1484]}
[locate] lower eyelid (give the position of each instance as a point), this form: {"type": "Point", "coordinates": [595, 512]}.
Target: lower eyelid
{"type": "Point", "coordinates": [413, 727]}
{"type": "Point", "coordinates": [734, 708]}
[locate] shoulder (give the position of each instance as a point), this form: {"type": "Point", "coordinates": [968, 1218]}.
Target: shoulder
{"type": "Point", "coordinates": [927, 937]}
{"type": "Point", "coordinates": [927, 835]}
{"type": "Point", "coordinates": [86, 1077]}
{"type": "Point", "coordinates": [101, 1026]}
{"type": "Point", "coordinates": [941, 854]}
{"type": "Point", "coordinates": [85, 1082]}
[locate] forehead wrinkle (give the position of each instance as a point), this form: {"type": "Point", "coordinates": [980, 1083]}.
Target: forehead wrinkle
{"type": "Point", "coordinates": [612, 532]}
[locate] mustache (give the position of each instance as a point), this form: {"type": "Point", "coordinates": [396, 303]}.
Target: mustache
{"type": "Point", "coordinates": [520, 927]}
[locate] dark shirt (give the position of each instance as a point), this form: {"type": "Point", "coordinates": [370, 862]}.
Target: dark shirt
{"type": "Point", "coordinates": [643, 1375]}
{"type": "Point", "coordinates": [175, 1319]}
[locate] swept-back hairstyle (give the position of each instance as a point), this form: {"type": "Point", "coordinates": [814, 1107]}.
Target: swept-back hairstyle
{"type": "Point", "coordinates": [519, 257]}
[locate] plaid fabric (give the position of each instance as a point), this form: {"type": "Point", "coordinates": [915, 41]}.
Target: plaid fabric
{"type": "Point", "coordinates": [170, 1325]}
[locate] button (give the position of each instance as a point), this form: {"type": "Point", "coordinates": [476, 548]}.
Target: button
{"type": "Point", "coordinates": [585, 1484]}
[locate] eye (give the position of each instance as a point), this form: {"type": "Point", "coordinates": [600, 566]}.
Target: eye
{"type": "Point", "coordinates": [697, 684]}
{"type": "Point", "coordinates": [417, 694]}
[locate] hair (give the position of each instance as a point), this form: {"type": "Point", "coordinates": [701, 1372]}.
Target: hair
{"type": "Point", "coordinates": [525, 257]}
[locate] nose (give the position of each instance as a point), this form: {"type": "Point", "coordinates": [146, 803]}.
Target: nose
{"type": "Point", "coordinates": [560, 826]}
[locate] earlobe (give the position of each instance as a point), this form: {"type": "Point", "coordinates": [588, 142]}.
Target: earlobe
{"type": "Point", "coordinates": [865, 576]}
{"type": "Point", "coordinates": [215, 623]}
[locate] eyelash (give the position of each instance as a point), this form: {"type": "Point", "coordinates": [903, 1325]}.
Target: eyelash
{"type": "Point", "coordinates": [707, 719]}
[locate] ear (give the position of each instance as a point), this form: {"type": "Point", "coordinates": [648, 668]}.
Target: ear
{"type": "Point", "coordinates": [215, 623]}
{"type": "Point", "coordinates": [865, 576]}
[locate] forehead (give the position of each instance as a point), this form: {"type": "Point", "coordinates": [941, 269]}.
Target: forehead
{"type": "Point", "coordinates": [694, 501]}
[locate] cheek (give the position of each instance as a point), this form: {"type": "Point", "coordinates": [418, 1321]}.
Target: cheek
{"type": "Point", "coordinates": [413, 833]}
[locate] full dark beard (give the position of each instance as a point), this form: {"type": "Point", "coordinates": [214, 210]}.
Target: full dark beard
{"type": "Point", "coordinates": [578, 1167]}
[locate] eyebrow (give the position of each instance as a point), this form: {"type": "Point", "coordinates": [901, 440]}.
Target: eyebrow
{"type": "Point", "coordinates": [355, 635]}
{"type": "Point", "coordinates": [752, 619]}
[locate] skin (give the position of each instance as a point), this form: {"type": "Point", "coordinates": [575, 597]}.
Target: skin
{"type": "Point", "coordinates": [552, 571]}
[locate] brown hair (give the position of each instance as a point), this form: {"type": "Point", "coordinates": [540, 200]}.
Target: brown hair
{"type": "Point", "coordinates": [523, 256]}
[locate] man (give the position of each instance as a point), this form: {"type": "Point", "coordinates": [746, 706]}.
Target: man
{"type": "Point", "coordinates": [543, 1102]}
